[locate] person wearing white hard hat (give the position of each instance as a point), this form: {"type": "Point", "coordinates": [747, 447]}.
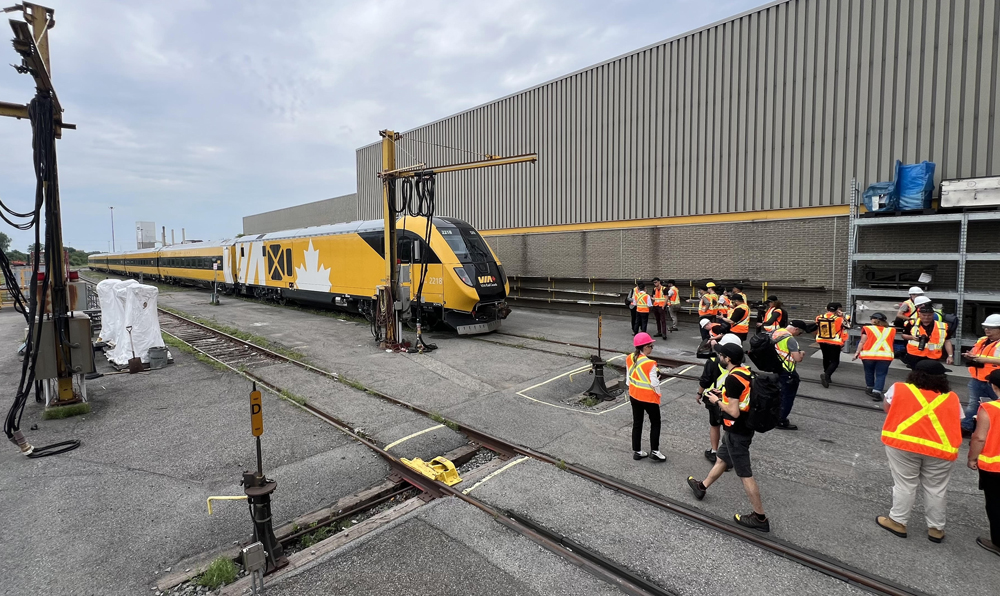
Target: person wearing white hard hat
{"type": "Point", "coordinates": [909, 307]}
{"type": "Point", "coordinates": [983, 358]}
{"type": "Point", "coordinates": [922, 300]}
{"type": "Point", "coordinates": [712, 377]}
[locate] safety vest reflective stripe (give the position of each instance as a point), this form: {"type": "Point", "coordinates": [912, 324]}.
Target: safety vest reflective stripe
{"type": "Point", "coordinates": [642, 302]}
{"type": "Point", "coordinates": [744, 394]}
{"type": "Point", "coordinates": [934, 343]}
{"type": "Point", "coordinates": [658, 298]}
{"type": "Point", "coordinates": [674, 296]}
{"type": "Point", "coordinates": [831, 329]}
{"type": "Point", "coordinates": [639, 373]}
{"type": "Point", "coordinates": [989, 458]}
{"type": "Point", "coordinates": [742, 325]}
{"type": "Point", "coordinates": [780, 339]}
{"type": "Point", "coordinates": [984, 348]}
{"type": "Point", "coordinates": [910, 308]}
{"type": "Point", "coordinates": [909, 407]}
{"type": "Point", "coordinates": [878, 343]}
{"type": "Point", "coordinates": [767, 316]}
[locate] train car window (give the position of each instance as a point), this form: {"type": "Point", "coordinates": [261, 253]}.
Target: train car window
{"type": "Point", "coordinates": [241, 251]}
{"type": "Point", "coordinates": [376, 240]}
{"type": "Point", "coordinates": [288, 261]}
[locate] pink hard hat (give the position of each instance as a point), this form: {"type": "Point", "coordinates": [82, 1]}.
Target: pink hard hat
{"type": "Point", "coordinates": [642, 339]}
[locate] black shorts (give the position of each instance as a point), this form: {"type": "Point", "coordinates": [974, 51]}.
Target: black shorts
{"type": "Point", "coordinates": [735, 451]}
{"type": "Point", "coordinates": [714, 413]}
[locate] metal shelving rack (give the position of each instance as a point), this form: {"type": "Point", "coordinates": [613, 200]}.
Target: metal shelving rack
{"type": "Point", "coordinates": [961, 256]}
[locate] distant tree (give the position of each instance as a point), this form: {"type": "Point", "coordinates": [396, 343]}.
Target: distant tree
{"type": "Point", "coordinates": [4, 242]}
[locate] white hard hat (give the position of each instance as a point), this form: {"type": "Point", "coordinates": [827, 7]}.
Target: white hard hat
{"type": "Point", "coordinates": [921, 300]}
{"type": "Point", "coordinates": [732, 338]}
{"type": "Point", "coordinates": [992, 321]}
{"type": "Point", "coordinates": [916, 290]}
{"type": "Point", "coordinates": [705, 323]}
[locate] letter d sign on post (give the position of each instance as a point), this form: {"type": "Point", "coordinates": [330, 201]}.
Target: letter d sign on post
{"type": "Point", "coordinates": [256, 415]}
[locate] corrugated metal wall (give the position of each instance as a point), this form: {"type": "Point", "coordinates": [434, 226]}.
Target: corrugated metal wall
{"type": "Point", "coordinates": [774, 109]}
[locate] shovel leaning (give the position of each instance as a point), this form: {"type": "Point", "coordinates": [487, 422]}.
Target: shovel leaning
{"type": "Point", "coordinates": [134, 363]}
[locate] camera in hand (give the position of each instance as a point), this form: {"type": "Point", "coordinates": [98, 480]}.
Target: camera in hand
{"type": "Point", "coordinates": [923, 342]}
{"type": "Point", "coordinates": [975, 364]}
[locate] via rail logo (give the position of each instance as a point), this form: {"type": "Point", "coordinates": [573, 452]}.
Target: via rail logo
{"type": "Point", "coordinates": [487, 281]}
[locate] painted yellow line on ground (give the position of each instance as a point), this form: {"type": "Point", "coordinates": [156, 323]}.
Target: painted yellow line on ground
{"type": "Point", "coordinates": [492, 474]}
{"type": "Point", "coordinates": [522, 393]}
{"type": "Point", "coordinates": [416, 434]}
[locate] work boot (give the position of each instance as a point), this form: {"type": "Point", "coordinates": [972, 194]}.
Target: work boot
{"type": "Point", "coordinates": [877, 396]}
{"type": "Point", "coordinates": [699, 492]}
{"type": "Point", "coordinates": [751, 520]}
{"type": "Point", "coordinates": [711, 456]}
{"type": "Point", "coordinates": [985, 542]}
{"type": "Point", "coordinates": [935, 535]}
{"type": "Point", "coordinates": [869, 390]}
{"type": "Point", "coordinates": [786, 425]}
{"type": "Point", "coordinates": [825, 380]}
{"type": "Point", "coordinates": [639, 455]}
{"type": "Point", "coordinates": [893, 526]}
{"type": "Point", "coordinates": [657, 456]}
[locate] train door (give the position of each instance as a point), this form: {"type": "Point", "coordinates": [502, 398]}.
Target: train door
{"type": "Point", "coordinates": [414, 256]}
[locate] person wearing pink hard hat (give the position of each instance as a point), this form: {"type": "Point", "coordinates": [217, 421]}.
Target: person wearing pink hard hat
{"type": "Point", "coordinates": [643, 384]}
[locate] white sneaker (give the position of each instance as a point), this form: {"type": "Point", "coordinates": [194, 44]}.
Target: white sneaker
{"type": "Point", "coordinates": [657, 456]}
{"type": "Point", "coordinates": [639, 455]}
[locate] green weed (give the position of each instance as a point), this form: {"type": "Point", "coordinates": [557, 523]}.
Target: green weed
{"type": "Point", "coordinates": [351, 382]}
{"type": "Point", "coordinates": [590, 401]}
{"type": "Point", "coordinates": [286, 394]}
{"type": "Point", "coordinates": [177, 344]}
{"type": "Point", "coordinates": [222, 571]}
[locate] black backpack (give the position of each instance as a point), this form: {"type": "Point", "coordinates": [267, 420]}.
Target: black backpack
{"type": "Point", "coordinates": [763, 354]}
{"type": "Point", "coordinates": [765, 402]}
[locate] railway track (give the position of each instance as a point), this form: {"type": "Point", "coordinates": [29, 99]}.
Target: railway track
{"type": "Point", "coordinates": [234, 353]}
{"type": "Point", "coordinates": [673, 363]}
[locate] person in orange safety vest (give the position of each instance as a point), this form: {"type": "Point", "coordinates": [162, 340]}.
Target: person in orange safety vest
{"type": "Point", "coordinates": [922, 433]}
{"type": "Point", "coordinates": [659, 309]}
{"type": "Point", "coordinates": [644, 395]}
{"type": "Point", "coordinates": [927, 338]}
{"type": "Point", "coordinates": [984, 455]}
{"type": "Point", "coordinates": [831, 334]}
{"type": "Point", "coordinates": [642, 303]}
{"type": "Point", "coordinates": [673, 303]}
{"type": "Point", "coordinates": [876, 353]}
{"type": "Point", "coordinates": [738, 317]}
{"type": "Point", "coordinates": [983, 359]}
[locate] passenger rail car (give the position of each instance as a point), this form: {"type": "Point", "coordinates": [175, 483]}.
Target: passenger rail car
{"type": "Point", "coordinates": [342, 265]}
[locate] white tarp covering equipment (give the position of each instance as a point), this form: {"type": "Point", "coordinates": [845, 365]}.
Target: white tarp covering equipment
{"type": "Point", "coordinates": [112, 308]}
{"type": "Point", "coordinates": [139, 313]}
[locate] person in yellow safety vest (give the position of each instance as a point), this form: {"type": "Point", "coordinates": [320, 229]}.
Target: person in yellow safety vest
{"type": "Point", "coordinates": [787, 348]}
{"type": "Point", "coordinates": [734, 401]}
{"type": "Point", "coordinates": [644, 395]}
{"type": "Point", "coordinates": [642, 303]}
{"type": "Point", "coordinates": [922, 433]}
{"type": "Point", "coordinates": [875, 351]}
{"type": "Point", "coordinates": [984, 455]}
{"type": "Point", "coordinates": [738, 317]}
{"type": "Point", "coordinates": [775, 317]}
{"type": "Point", "coordinates": [927, 338]}
{"type": "Point", "coordinates": [722, 309]}
{"type": "Point", "coordinates": [673, 303]}
{"type": "Point", "coordinates": [983, 359]}
{"type": "Point", "coordinates": [908, 308]}
{"type": "Point", "coordinates": [659, 309]}
{"type": "Point", "coordinates": [708, 303]}
{"type": "Point", "coordinates": [831, 334]}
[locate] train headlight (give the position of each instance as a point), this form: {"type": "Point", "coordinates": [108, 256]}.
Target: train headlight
{"type": "Point", "coordinates": [464, 276]}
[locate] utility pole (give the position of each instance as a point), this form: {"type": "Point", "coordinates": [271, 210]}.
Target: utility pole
{"type": "Point", "coordinates": [391, 303]}
{"type": "Point", "coordinates": [112, 228]}
{"type": "Point", "coordinates": [62, 345]}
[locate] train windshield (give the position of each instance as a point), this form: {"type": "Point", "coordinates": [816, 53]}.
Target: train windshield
{"type": "Point", "coordinates": [467, 244]}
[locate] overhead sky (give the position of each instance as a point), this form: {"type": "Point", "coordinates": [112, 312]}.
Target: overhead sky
{"type": "Point", "coordinates": [192, 114]}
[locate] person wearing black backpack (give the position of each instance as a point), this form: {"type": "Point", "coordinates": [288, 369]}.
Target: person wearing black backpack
{"type": "Point", "coordinates": [734, 400]}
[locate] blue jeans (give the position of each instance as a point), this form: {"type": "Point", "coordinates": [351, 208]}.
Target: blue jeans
{"type": "Point", "coordinates": [979, 391]}
{"type": "Point", "coordinates": [788, 382]}
{"type": "Point", "coordinates": [875, 372]}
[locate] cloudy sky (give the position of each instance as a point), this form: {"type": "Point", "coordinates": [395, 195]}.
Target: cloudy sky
{"type": "Point", "coordinates": [192, 114]}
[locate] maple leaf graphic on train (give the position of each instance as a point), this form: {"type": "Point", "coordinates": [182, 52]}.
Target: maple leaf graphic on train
{"type": "Point", "coordinates": [311, 275]}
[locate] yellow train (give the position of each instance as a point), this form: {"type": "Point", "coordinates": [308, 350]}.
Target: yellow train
{"type": "Point", "coordinates": [342, 265]}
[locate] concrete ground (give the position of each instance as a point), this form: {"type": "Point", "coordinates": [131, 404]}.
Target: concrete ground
{"type": "Point", "coordinates": [446, 548]}
{"type": "Point", "coordinates": [113, 515]}
{"type": "Point", "coordinates": [822, 485]}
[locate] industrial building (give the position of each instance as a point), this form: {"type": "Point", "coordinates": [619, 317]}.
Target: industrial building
{"type": "Point", "coordinates": [328, 211]}
{"type": "Point", "coordinates": [728, 153]}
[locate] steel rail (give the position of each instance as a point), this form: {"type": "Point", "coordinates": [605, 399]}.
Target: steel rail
{"type": "Point", "coordinates": [814, 560]}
